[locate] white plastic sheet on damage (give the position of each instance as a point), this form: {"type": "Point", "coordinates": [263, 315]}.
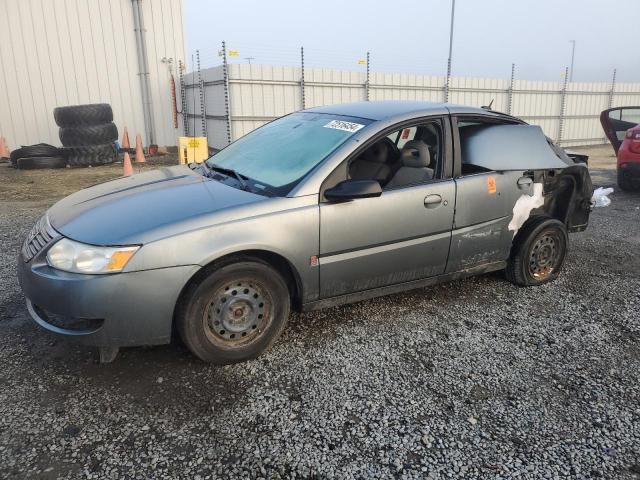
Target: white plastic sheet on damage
{"type": "Point", "coordinates": [601, 198]}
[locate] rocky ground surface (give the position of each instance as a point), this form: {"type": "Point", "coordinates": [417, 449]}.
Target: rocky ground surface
{"type": "Point", "coordinates": [470, 379]}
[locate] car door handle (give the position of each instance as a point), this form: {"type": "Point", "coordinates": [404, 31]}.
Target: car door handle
{"type": "Point", "coordinates": [431, 201]}
{"type": "Point", "coordinates": [524, 182]}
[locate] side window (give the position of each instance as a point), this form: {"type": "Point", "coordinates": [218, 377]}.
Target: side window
{"type": "Point", "coordinates": [413, 158]}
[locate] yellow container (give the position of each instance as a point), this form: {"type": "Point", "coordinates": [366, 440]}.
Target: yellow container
{"type": "Point", "coordinates": [193, 149]}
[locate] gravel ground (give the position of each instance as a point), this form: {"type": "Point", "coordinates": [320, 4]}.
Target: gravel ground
{"type": "Point", "coordinates": [473, 379]}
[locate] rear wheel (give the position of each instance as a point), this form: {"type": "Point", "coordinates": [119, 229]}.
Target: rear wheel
{"type": "Point", "coordinates": [538, 252]}
{"type": "Point", "coordinates": [624, 182]}
{"type": "Point", "coordinates": [234, 313]}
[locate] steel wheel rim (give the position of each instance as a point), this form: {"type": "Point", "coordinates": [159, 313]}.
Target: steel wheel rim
{"type": "Point", "coordinates": [237, 313]}
{"type": "Point", "coordinates": [545, 255]}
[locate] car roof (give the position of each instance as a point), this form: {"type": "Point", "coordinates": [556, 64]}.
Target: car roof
{"type": "Point", "coordinates": [393, 108]}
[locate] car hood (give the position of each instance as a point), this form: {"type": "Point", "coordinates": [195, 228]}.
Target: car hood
{"type": "Point", "coordinates": [121, 211]}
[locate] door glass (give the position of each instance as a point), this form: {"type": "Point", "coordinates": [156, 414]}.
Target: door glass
{"type": "Point", "coordinates": [623, 119]}
{"type": "Point", "coordinates": [414, 159]}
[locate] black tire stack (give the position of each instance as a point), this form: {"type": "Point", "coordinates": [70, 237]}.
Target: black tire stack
{"type": "Point", "coordinates": [87, 133]}
{"type": "Point", "coordinates": [42, 155]}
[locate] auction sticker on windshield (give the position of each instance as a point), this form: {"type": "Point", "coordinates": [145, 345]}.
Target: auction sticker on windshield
{"type": "Point", "coordinates": [346, 126]}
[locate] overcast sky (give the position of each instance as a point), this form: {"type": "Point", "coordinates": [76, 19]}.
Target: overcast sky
{"type": "Point", "coordinates": [413, 35]}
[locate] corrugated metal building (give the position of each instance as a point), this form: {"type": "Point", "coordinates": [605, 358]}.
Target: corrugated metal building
{"type": "Point", "coordinates": [69, 52]}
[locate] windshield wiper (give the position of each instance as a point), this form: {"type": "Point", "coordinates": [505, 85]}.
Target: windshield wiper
{"type": "Point", "coordinates": [206, 168]}
{"type": "Point", "coordinates": [229, 171]}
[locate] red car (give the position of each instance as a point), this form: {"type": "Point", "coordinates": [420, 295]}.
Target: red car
{"type": "Point", "coordinates": [622, 128]}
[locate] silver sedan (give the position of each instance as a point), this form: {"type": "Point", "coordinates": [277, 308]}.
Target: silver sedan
{"type": "Point", "coordinates": [320, 207]}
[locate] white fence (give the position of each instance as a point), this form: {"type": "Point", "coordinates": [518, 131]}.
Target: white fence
{"type": "Point", "coordinates": [226, 107]}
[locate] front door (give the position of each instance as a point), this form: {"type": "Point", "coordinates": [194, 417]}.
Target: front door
{"type": "Point", "coordinates": [402, 235]}
{"type": "Point", "coordinates": [374, 242]}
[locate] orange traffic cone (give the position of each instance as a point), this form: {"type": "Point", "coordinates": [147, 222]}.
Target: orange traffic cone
{"type": "Point", "coordinates": [139, 152]}
{"type": "Point", "coordinates": [125, 140]}
{"type": "Point", "coordinates": [128, 169]}
{"type": "Point", "coordinates": [4, 150]}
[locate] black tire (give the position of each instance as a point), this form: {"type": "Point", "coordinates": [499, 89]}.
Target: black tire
{"type": "Point", "coordinates": [538, 252]}
{"type": "Point", "coordinates": [38, 150]}
{"type": "Point", "coordinates": [76, 115]}
{"type": "Point", "coordinates": [91, 155]}
{"type": "Point", "coordinates": [624, 182]}
{"type": "Point", "coordinates": [248, 286]}
{"type": "Point", "coordinates": [89, 135]}
{"type": "Point", "coordinates": [33, 163]}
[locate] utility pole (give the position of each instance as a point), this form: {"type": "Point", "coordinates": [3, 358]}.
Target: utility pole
{"type": "Point", "coordinates": [573, 53]}
{"type": "Point", "coordinates": [446, 88]}
{"type": "Point", "coordinates": [248, 59]}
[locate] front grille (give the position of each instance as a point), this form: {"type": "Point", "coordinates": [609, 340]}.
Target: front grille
{"type": "Point", "coordinates": [39, 237]}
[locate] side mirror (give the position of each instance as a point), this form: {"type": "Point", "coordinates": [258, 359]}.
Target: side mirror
{"type": "Point", "coordinates": [352, 189]}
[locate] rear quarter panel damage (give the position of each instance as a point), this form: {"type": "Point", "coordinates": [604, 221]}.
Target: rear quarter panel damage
{"type": "Point", "coordinates": [484, 207]}
{"type": "Point", "coordinates": [491, 206]}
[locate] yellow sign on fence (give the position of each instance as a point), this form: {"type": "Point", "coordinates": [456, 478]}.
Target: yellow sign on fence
{"type": "Point", "coordinates": [193, 149]}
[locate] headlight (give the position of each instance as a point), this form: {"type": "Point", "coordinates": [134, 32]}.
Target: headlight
{"type": "Point", "coordinates": [77, 257]}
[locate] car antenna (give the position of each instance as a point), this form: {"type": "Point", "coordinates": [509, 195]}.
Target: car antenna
{"type": "Point", "coordinates": [488, 107]}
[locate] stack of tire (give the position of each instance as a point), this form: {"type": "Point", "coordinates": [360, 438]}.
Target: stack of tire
{"type": "Point", "coordinates": [42, 155]}
{"type": "Point", "coordinates": [87, 133]}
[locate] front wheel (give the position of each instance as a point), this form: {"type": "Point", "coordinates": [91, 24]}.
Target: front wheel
{"type": "Point", "coordinates": [234, 313]}
{"type": "Point", "coordinates": [538, 252]}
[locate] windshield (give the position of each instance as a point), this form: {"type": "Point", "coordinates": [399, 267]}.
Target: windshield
{"type": "Point", "coordinates": [276, 156]}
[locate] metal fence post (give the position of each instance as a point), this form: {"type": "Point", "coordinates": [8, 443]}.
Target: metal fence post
{"type": "Point", "coordinates": [183, 99]}
{"type": "Point", "coordinates": [445, 90]}
{"type": "Point", "coordinates": [446, 86]}
{"type": "Point", "coordinates": [563, 105]}
{"type": "Point", "coordinates": [612, 92]}
{"type": "Point", "coordinates": [227, 106]}
{"type": "Point", "coordinates": [510, 93]}
{"type": "Point", "coordinates": [302, 77]}
{"type": "Point", "coordinates": [203, 107]}
{"type": "Point", "coordinates": [367, 83]}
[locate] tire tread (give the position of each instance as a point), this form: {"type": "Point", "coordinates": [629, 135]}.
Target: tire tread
{"type": "Point", "coordinates": [91, 155]}
{"type": "Point", "coordinates": [77, 115]}
{"type": "Point", "coordinates": [86, 135]}
{"type": "Point", "coordinates": [34, 163]}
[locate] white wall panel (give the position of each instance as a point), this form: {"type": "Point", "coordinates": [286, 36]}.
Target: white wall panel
{"type": "Point", "coordinates": [69, 52]}
{"type": "Point", "coordinates": [259, 93]}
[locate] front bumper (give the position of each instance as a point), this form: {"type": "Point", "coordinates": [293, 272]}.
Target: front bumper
{"type": "Point", "coordinates": [124, 309]}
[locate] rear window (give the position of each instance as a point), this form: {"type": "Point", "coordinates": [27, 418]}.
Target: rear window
{"type": "Point", "coordinates": [491, 147]}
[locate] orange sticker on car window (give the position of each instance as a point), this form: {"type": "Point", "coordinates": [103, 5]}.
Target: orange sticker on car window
{"type": "Point", "coordinates": [491, 185]}
{"type": "Point", "coordinates": [405, 134]}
